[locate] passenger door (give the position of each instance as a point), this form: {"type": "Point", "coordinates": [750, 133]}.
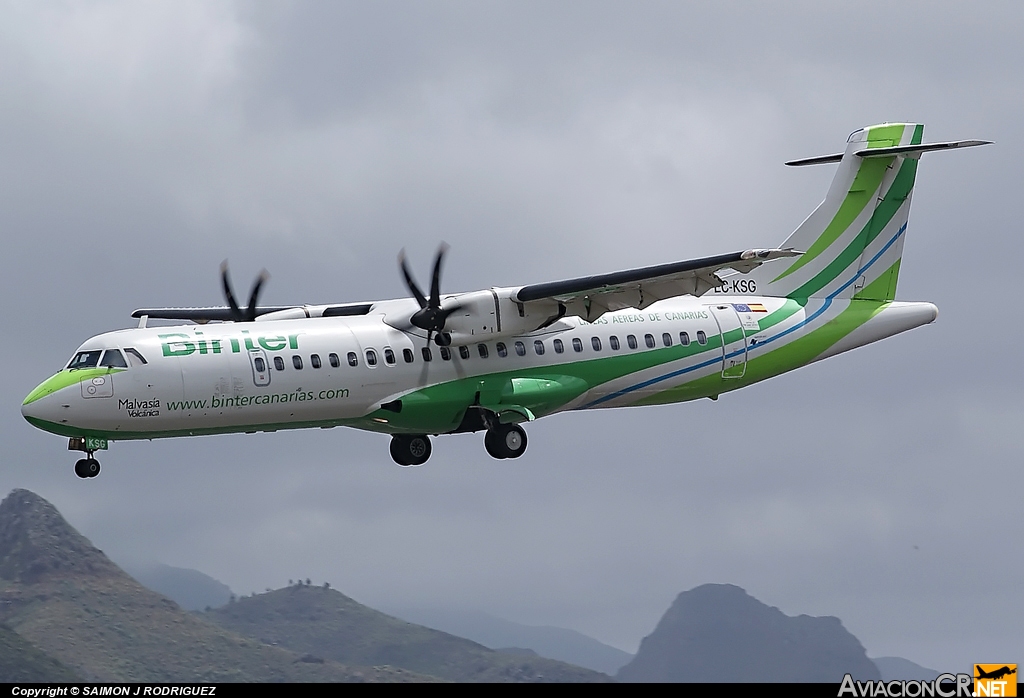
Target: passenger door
{"type": "Point", "coordinates": [734, 340]}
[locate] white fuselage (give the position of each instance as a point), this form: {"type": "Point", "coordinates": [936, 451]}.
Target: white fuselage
{"type": "Point", "coordinates": [329, 371]}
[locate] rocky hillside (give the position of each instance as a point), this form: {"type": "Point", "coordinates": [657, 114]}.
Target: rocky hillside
{"type": "Point", "coordinates": [68, 600]}
{"type": "Point", "coordinates": [324, 623]}
{"type": "Point", "coordinates": [719, 633]}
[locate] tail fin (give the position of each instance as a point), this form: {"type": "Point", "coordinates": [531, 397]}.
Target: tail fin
{"type": "Point", "coordinates": [853, 241]}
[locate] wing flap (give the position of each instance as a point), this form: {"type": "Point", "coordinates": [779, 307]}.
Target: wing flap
{"type": "Point", "coordinates": [590, 297]}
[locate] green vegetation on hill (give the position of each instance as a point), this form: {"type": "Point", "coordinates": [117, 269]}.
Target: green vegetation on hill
{"type": "Point", "coordinates": [325, 623]}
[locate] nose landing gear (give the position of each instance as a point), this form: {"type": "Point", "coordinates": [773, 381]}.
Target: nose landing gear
{"type": "Point", "coordinates": [505, 441]}
{"type": "Point", "coordinates": [87, 467]}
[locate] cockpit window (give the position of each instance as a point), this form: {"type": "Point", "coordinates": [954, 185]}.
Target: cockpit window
{"type": "Point", "coordinates": [85, 359]}
{"type": "Point", "coordinates": [134, 357]}
{"type": "Point", "coordinates": [113, 358]}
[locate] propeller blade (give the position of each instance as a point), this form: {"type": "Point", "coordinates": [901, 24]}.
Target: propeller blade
{"type": "Point", "coordinates": [411, 282]}
{"type": "Point", "coordinates": [250, 312]}
{"type": "Point", "coordinates": [236, 312]}
{"type": "Point", "coordinates": [435, 281]}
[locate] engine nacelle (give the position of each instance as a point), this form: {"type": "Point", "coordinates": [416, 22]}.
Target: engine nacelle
{"type": "Point", "coordinates": [488, 315]}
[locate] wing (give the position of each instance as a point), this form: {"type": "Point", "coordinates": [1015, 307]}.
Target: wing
{"type": "Point", "coordinates": [225, 314]}
{"type": "Point", "coordinates": [590, 297]}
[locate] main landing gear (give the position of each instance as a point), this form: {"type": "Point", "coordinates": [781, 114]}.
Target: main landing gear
{"type": "Point", "coordinates": [410, 450]}
{"type": "Point", "coordinates": [505, 441]}
{"type": "Point", "coordinates": [86, 467]}
{"type": "Point", "coordinates": [500, 440]}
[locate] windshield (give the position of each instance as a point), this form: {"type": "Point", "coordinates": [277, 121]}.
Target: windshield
{"type": "Point", "coordinates": [113, 358]}
{"type": "Point", "coordinates": [85, 359]}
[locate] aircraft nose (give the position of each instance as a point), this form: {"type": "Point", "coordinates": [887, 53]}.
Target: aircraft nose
{"type": "Point", "coordinates": [36, 410]}
{"type": "Point", "coordinates": [41, 407]}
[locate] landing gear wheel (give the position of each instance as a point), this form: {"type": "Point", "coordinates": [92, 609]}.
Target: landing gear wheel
{"type": "Point", "coordinates": [505, 441]}
{"type": "Point", "coordinates": [410, 450]}
{"type": "Point", "coordinates": [87, 467]}
{"type": "Point", "coordinates": [492, 445]}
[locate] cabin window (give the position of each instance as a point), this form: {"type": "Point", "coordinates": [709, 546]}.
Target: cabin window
{"type": "Point", "coordinates": [464, 352]}
{"type": "Point", "coordinates": [559, 347]}
{"type": "Point", "coordinates": [297, 362]}
{"type": "Point", "coordinates": [538, 346]}
{"type": "Point", "coordinates": [408, 355]}
{"type": "Point", "coordinates": [389, 356]}
{"type": "Point", "coordinates": [577, 344]}
{"type": "Point", "coordinates": [114, 359]}
{"type": "Point", "coordinates": [613, 342]}
{"type": "Point", "coordinates": [260, 364]}
{"type": "Point", "coordinates": [649, 340]}
{"type": "Point", "coordinates": [446, 353]}
{"type": "Point", "coordinates": [501, 349]}
{"type": "Point", "coordinates": [427, 356]}
{"type": "Point", "coordinates": [314, 360]}
{"type": "Point", "coordinates": [371, 357]}
{"type": "Point", "coordinates": [278, 363]}
{"type": "Point", "coordinates": [666, 339]}
{"type": "Point", "coordinates": [684, 338]}
{"type": "Point", "coordinates": [353, 360]}
{"type": "Point", "coordinates": [520, 349]}
{"type": "Point", "coordinates": [701, 337]}
{"type": "Point", "coordinates": [596, 343]}
{"type": "Point", "coordinates": [335, 361]}
{"type": "Point", "coordinates": [631, 341]}
{"type": "Point", "coordinates": [482, 350]}
{"type": "Point", "coordinates": [134, 357]}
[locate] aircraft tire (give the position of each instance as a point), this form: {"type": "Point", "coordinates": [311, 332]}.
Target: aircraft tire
{"type": "Point", "coordinates": [493, 446]}
{"type": "Point", "coordinates": [505, 441]}
{"type": "Point", "coordinates": [80, 469]}
{"type": "Point", "coordinates": [410, 450]}
{"type": "Point", "coordinates": [87, 468]}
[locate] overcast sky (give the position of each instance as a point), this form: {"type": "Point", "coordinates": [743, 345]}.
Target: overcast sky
{"type": "Point", "coordinates": [143, 143]}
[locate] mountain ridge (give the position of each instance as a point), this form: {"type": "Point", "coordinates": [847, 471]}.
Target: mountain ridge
{"type": "Point", "coordinates": [326, 623]}
{"type": "Point", "coordinates": [65, 597]}
{"type": "Point", "coordinates": [720, 633]}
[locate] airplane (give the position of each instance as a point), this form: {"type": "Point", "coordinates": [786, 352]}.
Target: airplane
{"type": "Point", "coordinates": [995, 674]}
{"type": "Point", "coordinates": [494, 359]}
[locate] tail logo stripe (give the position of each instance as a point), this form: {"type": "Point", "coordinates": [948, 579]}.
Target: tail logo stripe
{"type": "Point", "coordinates": [718, 360]}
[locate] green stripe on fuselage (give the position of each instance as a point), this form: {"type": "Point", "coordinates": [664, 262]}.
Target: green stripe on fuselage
{"type": "Point", "coordinates": [797, 353]}
{"type": "Point", "coordinates": [66, 378]}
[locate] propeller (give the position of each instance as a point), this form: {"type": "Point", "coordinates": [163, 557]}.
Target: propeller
{"type": "Point", "coordinates": [238, 314]}
{"type": "Point", "coordinates": [431, 316]}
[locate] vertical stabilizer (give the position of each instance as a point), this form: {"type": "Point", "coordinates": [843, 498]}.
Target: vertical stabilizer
{"type": "Point", "coordinates": [853, 241]}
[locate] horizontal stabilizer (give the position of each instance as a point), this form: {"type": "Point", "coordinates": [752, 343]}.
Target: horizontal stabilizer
{"type": "Point", "coordinates": [888, 152]}
{"type": "Point", "coordinates": [917, 149]}
{"type": "Point", "coordinates": [819, 160]}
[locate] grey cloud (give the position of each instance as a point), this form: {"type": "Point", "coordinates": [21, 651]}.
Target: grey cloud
{"type": "Point", "coordinates": [142, 144]}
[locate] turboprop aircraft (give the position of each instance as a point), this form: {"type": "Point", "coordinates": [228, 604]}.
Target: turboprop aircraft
{"type": "Point", "coordinates": [495, 359]}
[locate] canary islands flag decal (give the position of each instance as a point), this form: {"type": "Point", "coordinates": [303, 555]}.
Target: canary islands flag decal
{"type": "Point", "coordinates": [995, 680]}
